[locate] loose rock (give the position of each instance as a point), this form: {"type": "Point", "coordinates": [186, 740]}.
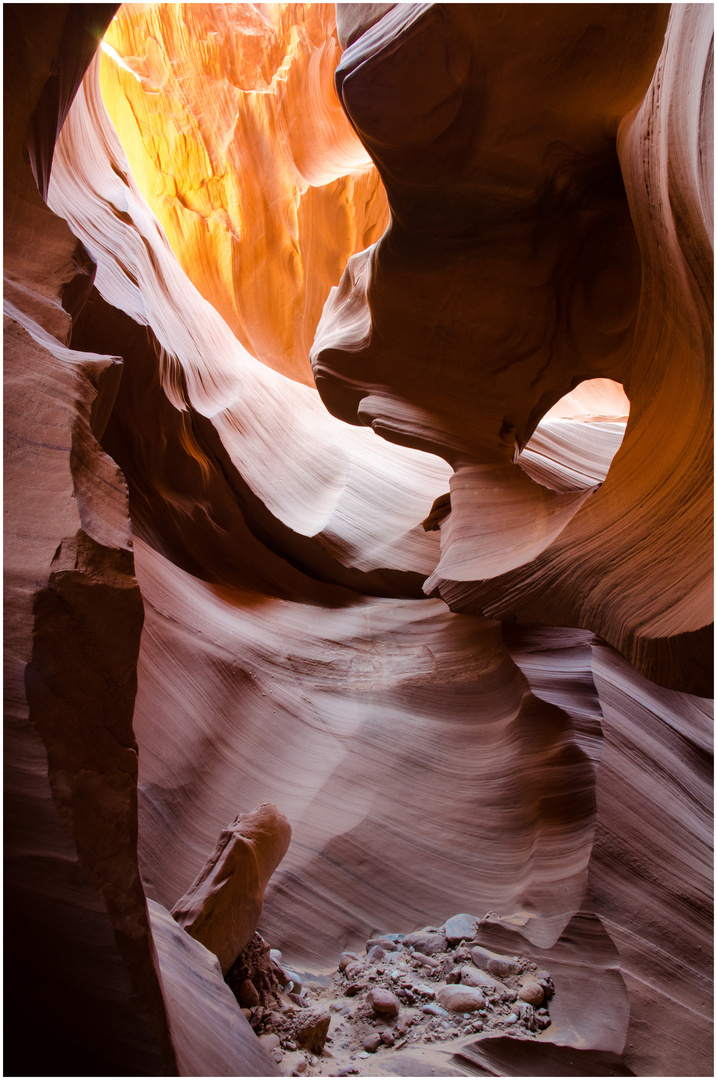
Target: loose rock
{"type": "Point", "coordinates": [387, 943]}
{"type": "Point", "coordinates": [311, 1026]}
{"type": "Point", "coordinates": [460, 928]}
{"type": "Point", "coordinates": [434, 1005]}
{"type": "Point", "coordinates": [270, 1041]}
{"type": "Point", "coordinates": [471, 976]}
{"type": "Point", "coordinates": [383, 1002]}
{"type": "Point", "coordinates": [426, 961]}
{"type": "Point", "coordinates": [532, 992]}
{"type": "Point", "coordinates": [428, 943]}
{"type": "Point", "coordinates": [493, 963]}
{"type": "Point", "coordinates": [434, 1010]}
{"type": "Point", "coordinates": [462, 999]}
{"type": "Point", "coordinates": [248, 994]}
{"type": "Point", "coordinates": [526, 1014]}
{"type": "Point", "coordinates": [372, 1042]}
{"type": "Point", "coordinates": [347, 958]}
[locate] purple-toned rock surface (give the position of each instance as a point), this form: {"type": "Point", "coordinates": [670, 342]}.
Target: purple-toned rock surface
{"type": "Point", "coordinates": [220, 594]}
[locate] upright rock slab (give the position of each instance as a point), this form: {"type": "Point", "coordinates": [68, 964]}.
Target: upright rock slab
{"type": "Point", "coordinates": [223, 905]}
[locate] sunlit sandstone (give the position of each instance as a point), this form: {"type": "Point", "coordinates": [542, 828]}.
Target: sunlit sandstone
{"type": "Point", "coordinates": [236, 137]}
{"type": "Point", "coordinates": [274, 559]}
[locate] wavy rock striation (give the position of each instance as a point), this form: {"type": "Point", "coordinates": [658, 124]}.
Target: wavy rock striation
{"type": "Point", "coordinates": [516, 265]}
{"type": "Point", "coordinates": [477, 749]}
{"type": "Point", "coordinates": [240, 146]}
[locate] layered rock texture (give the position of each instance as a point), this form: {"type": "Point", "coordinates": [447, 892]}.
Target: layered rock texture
{"type": "Point", "coordinates": [446, 609]}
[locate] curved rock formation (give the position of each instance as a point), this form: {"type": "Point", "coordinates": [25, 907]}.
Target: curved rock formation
{"type": "Point", "coordinates": [477, 749]}
{"type": "Point", "coordinates": [241, 148]}
{"type": "Point", "coordinates": [519, 222]}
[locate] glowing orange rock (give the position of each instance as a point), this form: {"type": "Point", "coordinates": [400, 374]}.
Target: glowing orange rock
{"type": "Point", "coordinates": [237, 140]}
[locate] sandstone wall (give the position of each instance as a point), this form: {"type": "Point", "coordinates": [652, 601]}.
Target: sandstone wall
{"type": "Point", "coordinates": [441, 736]}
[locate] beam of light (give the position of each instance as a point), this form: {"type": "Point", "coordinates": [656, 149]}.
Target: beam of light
{"type": "Point", "coordinates": [118, 59]}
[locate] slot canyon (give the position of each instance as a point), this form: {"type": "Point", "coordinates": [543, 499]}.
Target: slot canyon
{"type": "Point", "coordinates": [358, 539]}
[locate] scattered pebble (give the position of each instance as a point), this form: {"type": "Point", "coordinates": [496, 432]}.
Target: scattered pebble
{"type": "Point", "coordinates": [434, 985]}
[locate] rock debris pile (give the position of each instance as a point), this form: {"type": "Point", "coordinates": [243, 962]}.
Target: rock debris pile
{"type": "Point", "coordinates": [434, 985]}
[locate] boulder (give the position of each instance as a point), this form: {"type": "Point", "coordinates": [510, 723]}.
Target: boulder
{"type": "Point", "coordinates": [426, 942]}
{"type": "Point", "coordinates": [460, 928]}
{"type": "Point", "coordinates": [311, 1026]}
{"type": "Point", "coordinates": [383, 1002]}
{"type": "Point", "coordinates": [222, 906]}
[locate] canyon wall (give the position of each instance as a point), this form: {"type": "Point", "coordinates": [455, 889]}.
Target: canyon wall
{"type": "Point", "coordinates": [467, 659]}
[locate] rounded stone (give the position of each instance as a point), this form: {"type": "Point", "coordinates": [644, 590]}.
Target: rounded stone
{"type": "Point", "coordinates": [372, 1042]}
{"type": "Point", "coordinates": [271, 1040]}
{"type": "Point", "coordinates": [461, 999]}
{"type": "Point", "coordinates": [383, 1002]}
{"type": "Point", "coordinates": [493, 963]}
{"type": "Point", "coordinates": [460, 928]}
{"type": "Point", "coordinates": [427, 942]}
{"type": "Point", "coordinates": [471, 976]}
{"type": "Point", "coordinates": [532, 992]}
{"type": "Point", "coordinates": [347, 958]}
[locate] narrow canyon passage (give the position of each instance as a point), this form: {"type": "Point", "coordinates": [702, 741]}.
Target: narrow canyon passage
{"type": "Point", "coordinates": [392, 478]}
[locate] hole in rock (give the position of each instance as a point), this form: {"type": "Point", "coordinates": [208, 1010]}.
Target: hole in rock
{"type": "Point", "coordinates": [263, 201]}
{"type": "Point", "coordinates": [288, 654]}
{"type": "Point", "coordinates": [574, 444]}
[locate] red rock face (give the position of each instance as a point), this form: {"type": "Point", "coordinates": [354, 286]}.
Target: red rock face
{"type": "Point", "coordinates": [220, 595]}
